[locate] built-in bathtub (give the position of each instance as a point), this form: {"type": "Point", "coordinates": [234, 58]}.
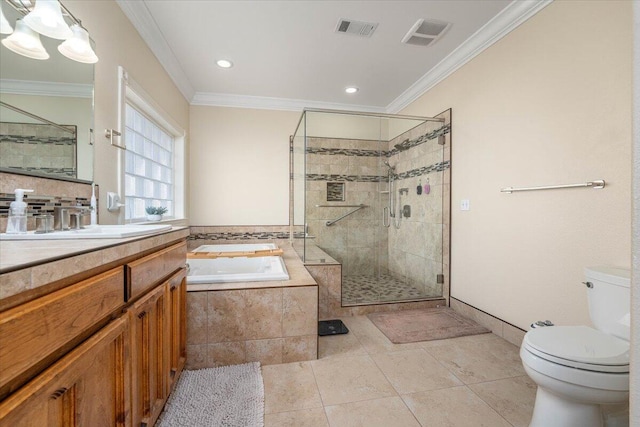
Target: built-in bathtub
{"type": "Point", "coordinates": [236, 269]}
{"type": "Point", "coordinates": [235, 322]}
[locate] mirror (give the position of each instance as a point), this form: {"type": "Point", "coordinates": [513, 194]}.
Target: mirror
{"type": "Point", "coordinates": [46, 112]}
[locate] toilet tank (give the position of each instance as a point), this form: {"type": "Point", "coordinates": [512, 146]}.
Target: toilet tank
{"type": "Point", "coordinates": [610, 300]}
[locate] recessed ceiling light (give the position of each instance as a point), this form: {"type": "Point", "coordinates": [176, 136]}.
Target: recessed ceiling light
{"type": "Point", "coordinates": [224, 63]}
{"type": "Point", "coordinates": [351, 89]}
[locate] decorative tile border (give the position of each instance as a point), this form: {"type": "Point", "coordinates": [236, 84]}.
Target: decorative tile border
{"type": "Point", "coordinates": [436, 167]}
{"type": "Point", "coordinates": [403, 146]}
{"type": "Point", "coordinates": [243, 236]}
{"type": "Point", "coordinates": [41, 140]}
{"type": "Point", "coordinates": [410, 143]}
{"type": "Point", "coordinates": [343, 178]}
{"type": "Point", "coordinates": [40, 204]}
{"type": "Point", "coordinates": [346, 152]}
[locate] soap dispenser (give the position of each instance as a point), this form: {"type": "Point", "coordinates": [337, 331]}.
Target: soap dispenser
{"type": "Point", "coordinates": [17, 222]}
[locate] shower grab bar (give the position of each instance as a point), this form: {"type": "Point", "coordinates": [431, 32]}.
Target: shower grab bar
{"type": "Point", "coordinates": [385, 217]}
{"type": "Point", "coordinates": [596, 185]}
{"type": "Point", "coordinates": [357, 208]}
{"type": "Point", "coordinates": [341, 206]}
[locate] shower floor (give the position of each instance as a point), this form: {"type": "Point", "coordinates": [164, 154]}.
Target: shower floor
{"type": "Point", "coordinates": [358, 290]}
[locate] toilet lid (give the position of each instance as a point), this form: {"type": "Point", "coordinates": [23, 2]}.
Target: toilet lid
{"type": "Point", "coordinates": [580, 346]}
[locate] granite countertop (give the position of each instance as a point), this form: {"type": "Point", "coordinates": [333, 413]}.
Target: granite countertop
{"type": "Point", "coordinates": [28, 264]}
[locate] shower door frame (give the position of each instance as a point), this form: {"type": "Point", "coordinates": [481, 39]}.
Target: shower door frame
{"type": "Point", "coordinates": [381, 156]}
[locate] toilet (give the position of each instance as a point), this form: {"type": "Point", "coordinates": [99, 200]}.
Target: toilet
{"type": "Point", "coordinates": [579, 368]}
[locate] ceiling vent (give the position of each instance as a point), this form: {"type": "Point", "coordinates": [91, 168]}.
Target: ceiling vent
{"type": "Point", "coordinates": [426, 32]}
{"type": "Point", "coordinates": [357, 28]}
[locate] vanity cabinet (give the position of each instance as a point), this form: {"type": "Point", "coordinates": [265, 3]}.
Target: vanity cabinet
{"type": "Point", "coordinates": [105, 351]}
{"type": "Point", "coordinates": [34, 334]}
{"type": "Point", "coordinates": [177, 296]}
{"type": "Point", "coordinates": [158, 346]}
{"type": "Point", "coordinates": [90, 386]}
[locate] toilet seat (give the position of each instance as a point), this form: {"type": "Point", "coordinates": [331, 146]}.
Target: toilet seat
{"type": "Point", "coordinates": [579, 347]}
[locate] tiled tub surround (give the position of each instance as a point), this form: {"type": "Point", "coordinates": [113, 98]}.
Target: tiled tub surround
{"type": "Point", "coordinates": [38, 148]}
{"type": "Point", "coordinates": [270, 322]}
{"type": "Point", "coordinates": [48, 192]}
{"type": "Point", "coordinates": [413, 254]}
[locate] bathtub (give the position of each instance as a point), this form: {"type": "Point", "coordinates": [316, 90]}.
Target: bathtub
{"type": "Point", "coordinates": [237, 269]}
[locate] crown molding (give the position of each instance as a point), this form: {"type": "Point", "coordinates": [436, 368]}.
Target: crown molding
{"type": "Point", "coordinates": [516, 13]}
{"type": "Point", "coordinates": [268, 103]}
{"type": "Point", "coordinates": [141, 19]}
{"type": "Point", "coordinates": [30, 87]}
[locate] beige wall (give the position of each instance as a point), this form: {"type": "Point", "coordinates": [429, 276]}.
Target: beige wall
{"type": "Point", "coordinates": [239, 167]}
{"type": "Point", "coordinates": [118, 43]}
{"type": "Point", "coordinates": [547, 104]}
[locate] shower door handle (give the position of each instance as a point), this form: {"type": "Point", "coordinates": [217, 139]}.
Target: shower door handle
{"type": "Point", "coordinates": [385, 217]}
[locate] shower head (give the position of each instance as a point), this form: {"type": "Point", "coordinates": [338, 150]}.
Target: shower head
{"type": "Point", "coordinates": [391, 168]}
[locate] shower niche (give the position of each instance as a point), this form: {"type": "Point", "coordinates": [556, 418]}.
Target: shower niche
{"type": "Point", "coordinates": [371, 191]}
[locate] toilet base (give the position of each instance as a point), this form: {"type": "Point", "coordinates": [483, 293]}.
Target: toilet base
{"type": "Point", "coordinates": [552, 410]}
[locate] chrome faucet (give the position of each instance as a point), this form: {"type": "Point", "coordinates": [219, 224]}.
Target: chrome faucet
{"type": "Point", "coordinates": [69, 217]}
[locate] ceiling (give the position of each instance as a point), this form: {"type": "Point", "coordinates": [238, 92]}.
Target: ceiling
{"type": "Point", "coordinates": [288, 55]}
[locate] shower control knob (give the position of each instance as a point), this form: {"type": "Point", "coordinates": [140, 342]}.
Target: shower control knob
{"type": "Point", "coordinates": [588, 284]}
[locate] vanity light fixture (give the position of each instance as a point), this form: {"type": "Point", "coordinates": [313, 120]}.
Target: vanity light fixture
{"type": "Point", "coordinates": [78, 46]}
{"type": "Point", "coordinates": [5, 26]}
{"type": "Point", "coordinates": [26, 42]}
{"type": "Point", "coordinates": [49, 18]}
{"type": "Point", "coordinates": [224, 63]}
{"type": "Point", "coordinates": [46, 18]}
{"type": "Point", "coordinates": [351, 89]}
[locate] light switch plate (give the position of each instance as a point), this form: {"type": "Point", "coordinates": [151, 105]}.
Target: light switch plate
{"type": "Point", "coordinates": [464, 205]}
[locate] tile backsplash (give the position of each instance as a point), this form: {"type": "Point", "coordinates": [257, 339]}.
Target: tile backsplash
{"type": "Point", "coordinates": [48, 193]}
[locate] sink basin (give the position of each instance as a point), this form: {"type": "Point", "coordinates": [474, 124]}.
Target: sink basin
{"type": "Point", "coordinates": [96, 232]}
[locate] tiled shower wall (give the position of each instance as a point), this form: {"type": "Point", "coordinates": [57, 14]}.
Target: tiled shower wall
{"type": "Point", "coordinates": [353, 240]}
{"type": "Point", "coordinates": [415, 252]}
{"type": "Point", "coordinates": [38, 148]}
{"type": "Point", "coordinates": [419, 249]}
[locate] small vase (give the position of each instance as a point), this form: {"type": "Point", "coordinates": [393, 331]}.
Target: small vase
{"type": "Point", "coordinates": [154, 217]}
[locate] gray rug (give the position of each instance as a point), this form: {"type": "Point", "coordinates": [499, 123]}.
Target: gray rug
{"type": "Point", "coordinates": [424, 325]}
{"type": "Point", "coordinates": [229, 396]}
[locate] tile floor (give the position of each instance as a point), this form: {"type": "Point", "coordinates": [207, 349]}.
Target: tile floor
{"type": "Point", "coordinates": [371, 289]}
{"type": "Point", "coordinates": [362, 379]}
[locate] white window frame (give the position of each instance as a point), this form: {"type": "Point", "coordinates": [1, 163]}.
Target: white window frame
{"type": "Point", "coordinates": [130, 92]}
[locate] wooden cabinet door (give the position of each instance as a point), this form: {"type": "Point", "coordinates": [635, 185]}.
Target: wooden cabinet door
{"type": "Point", "coordinates": [150, 356]}
{"type": "Point", "coordinates": [35, 334]}
{"type": "Point", "coordinates": [87, 387]}
{"type": "Point", "coordinates": [177, 325]}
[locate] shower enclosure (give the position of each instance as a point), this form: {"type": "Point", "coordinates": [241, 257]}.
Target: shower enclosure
{"type": "Point", "coordinates": [372, 192]}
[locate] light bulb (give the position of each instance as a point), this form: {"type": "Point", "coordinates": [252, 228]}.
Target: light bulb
{"type": "Point", "coordinates": [26, 42]}
{"type": "Point", "coordinates": [46, 18]}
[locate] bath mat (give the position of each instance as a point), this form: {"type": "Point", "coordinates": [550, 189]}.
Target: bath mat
{"type": "Point", "coordinates": [424, 325]}
{"type": "Point", "coordinates": [229, 396]}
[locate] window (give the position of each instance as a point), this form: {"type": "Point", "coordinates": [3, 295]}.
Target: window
{"type": "Point", "coordinates": [152, 167]}
{"type": "Point", "coordinates": [148, 165]}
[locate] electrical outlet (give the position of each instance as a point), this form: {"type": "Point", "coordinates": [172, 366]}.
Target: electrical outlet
{"type": "Point", "coordinates": [464, 205]}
